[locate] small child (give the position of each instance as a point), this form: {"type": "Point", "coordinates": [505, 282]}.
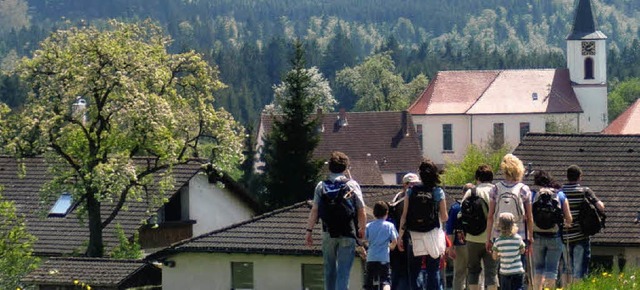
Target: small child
{"type": "Point", "coordinates": [381, 237]}
{"type": "Point", "coordinates": [509, 248]}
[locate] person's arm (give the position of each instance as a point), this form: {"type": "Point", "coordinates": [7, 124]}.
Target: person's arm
{"type": "Point", "coordinates": [442, 207]}
{"type": "Point", "coordinates": [489, 230]}
{"type": "Point", "coordinates": [362, 220]}
{"type": "Point", "coordinates": [393, 244]}
{"type": "Point", "coordinates": [525, 194]}
{"type": "Point", "coordinates": [311, 222]}
{"type": "Point", "coordinates": [495, 254]}
{"type": "Point", "coordinates": [566, 212]}
{"type": "Point", "coordinates": [403, 220]}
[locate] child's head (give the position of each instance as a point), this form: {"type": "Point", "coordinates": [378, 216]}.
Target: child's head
{"type": "Point", "coordinates": [380, 209]}
{"type": "Point", "coordinates": [506, 224]}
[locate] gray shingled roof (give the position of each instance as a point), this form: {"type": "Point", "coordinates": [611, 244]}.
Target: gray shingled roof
{"type": "Point", "coordinates": [280, 232]}
{"type": "Point", "coordinates": [93, 271]}
{"type": "Point", "coordinates": [66, 235]}
{"type": "Point", "coordinates": [389, 138]}
{"type": "Point", "coordinates": [610, 165]}
{"type": "Point", "coordinates": [584, 24]}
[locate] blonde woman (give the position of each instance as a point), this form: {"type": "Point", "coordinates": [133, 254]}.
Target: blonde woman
{"type": "Point", "coordinates": [510, 195]}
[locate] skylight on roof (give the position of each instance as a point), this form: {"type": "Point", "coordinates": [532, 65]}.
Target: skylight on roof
{"type": "Point", "coordinates": [62, 206]}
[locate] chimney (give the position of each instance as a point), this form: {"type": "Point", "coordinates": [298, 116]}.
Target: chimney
{"type": "Point", "coordinates": [342, 118]}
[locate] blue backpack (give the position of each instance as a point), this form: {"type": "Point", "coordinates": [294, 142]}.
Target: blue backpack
{"type": "Point", "coordinates": [337, 209]}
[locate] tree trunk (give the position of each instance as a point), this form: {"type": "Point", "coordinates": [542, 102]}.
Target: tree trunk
{"type": "Point", "coordinates": [96, 246]}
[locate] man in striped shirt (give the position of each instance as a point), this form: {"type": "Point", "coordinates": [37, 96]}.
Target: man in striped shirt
{"type": "Point", "coordinates": [579, 243]}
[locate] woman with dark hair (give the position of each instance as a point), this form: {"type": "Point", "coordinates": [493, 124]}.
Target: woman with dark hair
{"type": "Point", "coordinates": [424, 210]}
{"type": "Point", "coordinates": [550, 209]}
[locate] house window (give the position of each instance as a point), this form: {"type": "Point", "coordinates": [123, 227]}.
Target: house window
{"type": "Point", "coordinates": [62, 206]}
{"type": "Point", "coordinates": [524, 129]}
{"type": "Point", "coordinates": [419, 133]}
{"type": "Point", "coordinates": [498, 135]}
{"type": "Point", "coordinates": [241, 275]}
{"type": "Point", "coordinates": [447, 137]}
{"type": "Point", "coordinates": [588, 68]}
{"type": "Point", "coordinates": [312, 277]}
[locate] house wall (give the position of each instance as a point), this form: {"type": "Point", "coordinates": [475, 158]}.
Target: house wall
{"type": "Point", "coordinates": [207, 271]}
{"type": "Point", "coordinates": [478, 129]}
{"type": "Point", "coordinates": [213, 207]}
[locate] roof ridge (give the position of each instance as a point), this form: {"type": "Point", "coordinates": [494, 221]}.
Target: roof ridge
{"type": "Point", "coordinates": [499, 72]}
{"type": "Point", "coordinates": [98, 259]}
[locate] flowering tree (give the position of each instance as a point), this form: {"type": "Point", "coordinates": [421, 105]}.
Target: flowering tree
{"type": "Point", "coordinates": [317, 91]}
{"type": "Point", "coordinates": [16, 247]}
{"type": "Point", "coordinates": [137, 100]}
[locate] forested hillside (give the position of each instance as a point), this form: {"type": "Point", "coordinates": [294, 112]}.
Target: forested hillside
{"type": "Point", "coordinates": [250, 40]}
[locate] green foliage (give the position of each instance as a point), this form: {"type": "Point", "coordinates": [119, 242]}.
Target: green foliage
{"type": "Point", "coordinates": [627, 280]}
{"type": "Point", "coordinates": [126, 249]}
{"type": "Point", "coordinates": [290, 172]}
{"type": "Point", "coordinates": [16, 247]}
{"type": "Point", "coordinates": [622, 96]}
{"type": "Point", "coordinates": [462, 172]}
{"type": "Point", "coordinates": [378, 86]}
{"type": "Point", "coordinates": [141, 101]}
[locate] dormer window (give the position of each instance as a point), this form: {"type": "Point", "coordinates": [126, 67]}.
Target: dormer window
{"type": "Point", "coordinates": [62, 206]}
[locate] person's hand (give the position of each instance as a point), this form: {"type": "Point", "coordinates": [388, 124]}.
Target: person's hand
{"type": "Point", "coordinates": [308, 239]}
{"type": "Point", "coordinates": [400, 245]}
{"type": "Point", "coordinates": [489, 246]}
{"type": "Point", "coordinates": [361, 233]}
{"type": "Point", "coordinates": [451, 252]}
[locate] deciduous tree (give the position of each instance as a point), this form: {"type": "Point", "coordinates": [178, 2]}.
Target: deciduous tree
{"type": "Point", "coordinates": [16, 247]}
{"type": "Point", "coordinates": [102, 99]}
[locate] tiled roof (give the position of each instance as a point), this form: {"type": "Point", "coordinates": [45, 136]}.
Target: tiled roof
{"type": "Point", "coordinates": [66, 235]}
{"type": "Point", "coordinates": [93, 271]}
{"type": "Point", "coordinates": [627, 123]}
{"type": "Point", "coordinates": [498, 92]}
{"type": "Point", "coordinates": [610, 167]}
{"type": "Point", "coordinates": [386, 137]}
{"type": "Point", "coordinates": [280, 232]}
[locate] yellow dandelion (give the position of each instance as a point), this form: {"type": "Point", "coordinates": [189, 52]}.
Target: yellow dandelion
{"type": "Point", "coordinates": [75, 282]}
{"type": "Point", "coordinates": [604, 274]}
{"type": "Point", "coordinates": [593, 280]}
{"type": "Point", "coordinates": [88, 287]}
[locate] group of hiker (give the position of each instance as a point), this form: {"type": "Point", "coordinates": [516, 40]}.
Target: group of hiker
{"type": "Point", "coordinates": [499, 235]}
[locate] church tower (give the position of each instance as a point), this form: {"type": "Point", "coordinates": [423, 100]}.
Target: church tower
{"type": "Point", "coordinates": [587, 63]}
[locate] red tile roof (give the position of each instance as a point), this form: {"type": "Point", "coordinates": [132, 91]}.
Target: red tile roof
{"type": "Point", "coordinates": [386, 137]}
{"type": "Point", "coordinates": [627, 123]}
{"type": "Point", "coordinates": [498, 92]}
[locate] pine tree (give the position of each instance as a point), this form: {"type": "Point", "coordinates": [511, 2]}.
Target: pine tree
{"type": "Point", "coordinates": [290, 173]}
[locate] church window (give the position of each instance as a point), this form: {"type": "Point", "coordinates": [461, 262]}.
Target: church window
{"type": "Point", "coordinates": [588, 68]}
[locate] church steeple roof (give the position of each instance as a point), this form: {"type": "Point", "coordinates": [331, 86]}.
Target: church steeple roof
{"type": "Point", "coordinates": [584, 24]}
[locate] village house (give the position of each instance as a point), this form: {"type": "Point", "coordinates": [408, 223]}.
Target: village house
{"type": "Point", "coordinates": [627, 123]}
{"type": "Point", "coordinates": [382, 146]}
{"type": "Point", "coordinates": [494, 107]}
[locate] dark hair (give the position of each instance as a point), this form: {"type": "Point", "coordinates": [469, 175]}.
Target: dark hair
{"type": "Point", "coordinates": [429, 174]}
{"type": "Point", "coordinates": [574, 173]}
{"type": "Point", "coordinates": [380, 209]}
{"type": "Point", "coordinates": [338, 162]}
{"type": "Point", "coordinates": [484, 173]}
{"type": "Point", "coordinates": [542, 178]}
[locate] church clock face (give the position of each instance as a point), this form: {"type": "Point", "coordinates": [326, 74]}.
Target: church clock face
{"type": "Point", "coordinates": [588, 48]}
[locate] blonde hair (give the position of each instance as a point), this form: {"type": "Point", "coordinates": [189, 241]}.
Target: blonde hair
{"type": "Point", "coordinates": [507, 224]}
{"type": "Point", "coordinates": [512, 167]}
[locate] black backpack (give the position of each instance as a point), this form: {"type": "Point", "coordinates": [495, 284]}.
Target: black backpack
{"type": "Point", "coordinates": [395, 211]}
{"type": "Point", "coordinates": [337, 209]}
{"type": "Point", "coordinates": [422, 215]}
{"type": "Point", "coordinates": [547, 211]}
{"type": "Point", "coordinates": [591, 220]}
{"type": "Point", "coordinates": [473, 214]}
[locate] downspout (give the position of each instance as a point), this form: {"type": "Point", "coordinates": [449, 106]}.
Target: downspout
{"type": "Point", "coordinates": [471, 128]}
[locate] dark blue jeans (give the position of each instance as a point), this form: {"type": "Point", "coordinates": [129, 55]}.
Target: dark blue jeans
{"type": "Point", "coordinates": [511, 282]}
{"type": "Point", "coordinates": [431, 277]}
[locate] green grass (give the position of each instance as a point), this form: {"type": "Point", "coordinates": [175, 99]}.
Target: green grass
{"type": "Point", "coordinates": [626, 280]}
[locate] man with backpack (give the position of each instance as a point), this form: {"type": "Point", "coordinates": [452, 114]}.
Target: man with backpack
{"type": "Point", "coordinates": [458, 250]}
{"type": "Point", "coordinates": [338, 203]}
{"type": "Point", "coordinates": [473, 214]}
{"type": "Point", "coordinates": [584, 205]}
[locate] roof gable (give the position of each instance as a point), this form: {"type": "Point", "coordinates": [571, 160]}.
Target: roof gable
{"type": "Point", "coordinates": [388, 138]}
{"type": "Point", "coordinates": [610, 167]}
{"type": "Point", "coordinates": [499, 92]}
{"type": "Point", "coordinates": [627, 123]}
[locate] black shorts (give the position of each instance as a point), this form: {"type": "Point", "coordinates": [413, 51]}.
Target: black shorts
{"type": "Point", "coordinates": [377, 271]}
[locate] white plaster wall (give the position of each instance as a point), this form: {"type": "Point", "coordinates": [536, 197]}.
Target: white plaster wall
{"type": "Point", "coordinates": [390, 178]}
{"type": "Point", "coordinates": [213, 207]}
{"type": "Point", "coordinates": [593, 100]}
{"type": "Point", "coordinates": [212, 271]}
{"type": "Point", "coordinates": [432, 136]}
